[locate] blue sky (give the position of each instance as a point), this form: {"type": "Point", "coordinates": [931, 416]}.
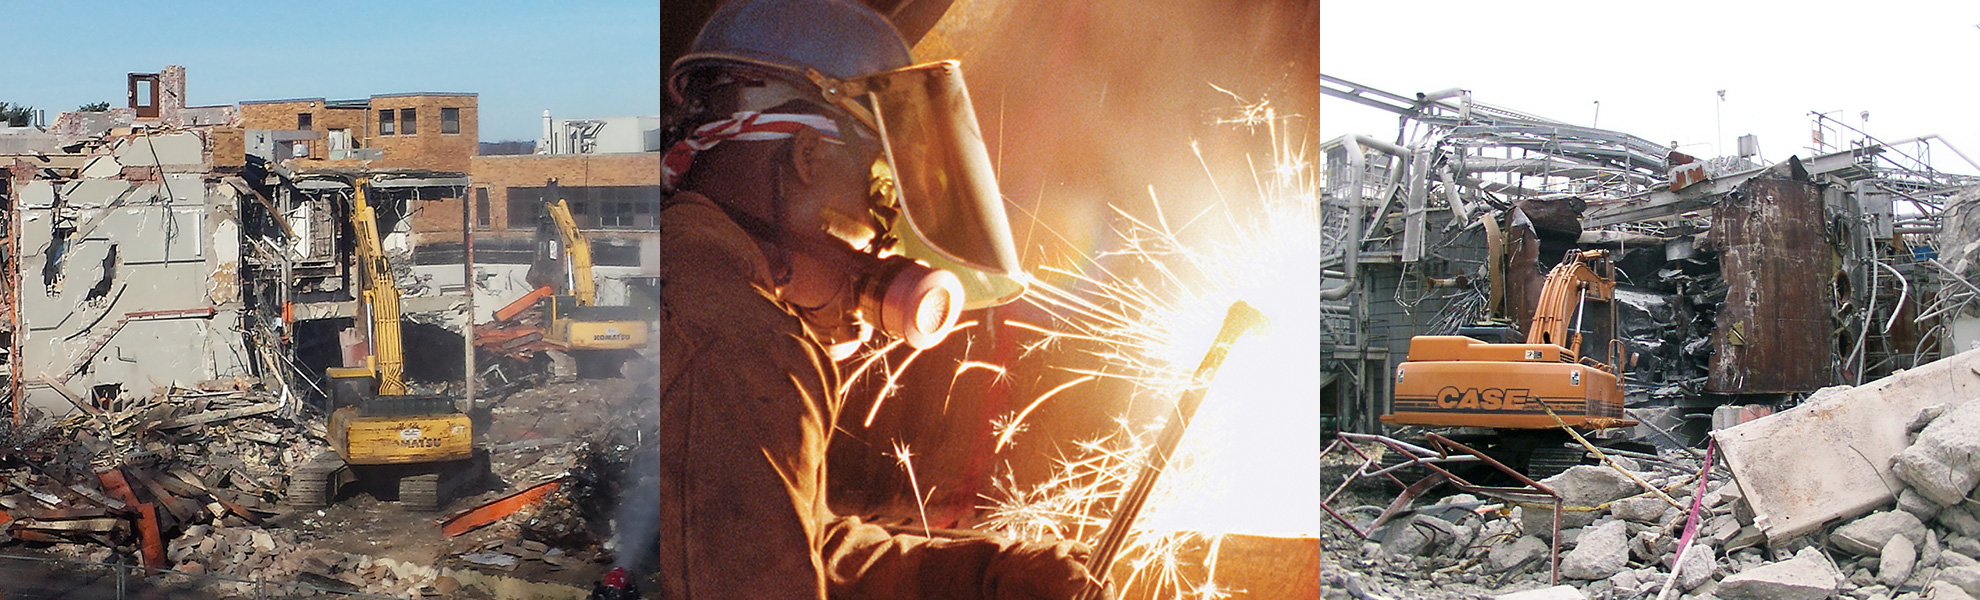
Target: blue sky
{"type": "Point", "coordinates": [577, 59]}
{"type": "Point", "coordinates": [1656, 70]}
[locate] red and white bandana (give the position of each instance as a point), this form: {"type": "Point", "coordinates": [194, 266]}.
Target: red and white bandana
{"type": "Point", "coordinates": [743, 126]}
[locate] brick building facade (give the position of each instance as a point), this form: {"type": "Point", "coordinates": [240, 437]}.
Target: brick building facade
{"type": "Point", "coordinates": [436, 131]}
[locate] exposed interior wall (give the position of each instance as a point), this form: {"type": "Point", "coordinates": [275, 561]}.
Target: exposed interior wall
{"type": "Point", "coordinates": [129, 273]}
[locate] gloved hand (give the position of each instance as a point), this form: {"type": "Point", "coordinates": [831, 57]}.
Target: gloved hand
{"type": "Point", "coordinates": [1041, 571]}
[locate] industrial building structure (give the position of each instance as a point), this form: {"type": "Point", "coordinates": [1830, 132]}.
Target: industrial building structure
{"type": "Point", "coordinates": [1739, 282]}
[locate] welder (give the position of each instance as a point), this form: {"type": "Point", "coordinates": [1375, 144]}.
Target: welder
{"type": "Point", "coordinates": [822, 190]}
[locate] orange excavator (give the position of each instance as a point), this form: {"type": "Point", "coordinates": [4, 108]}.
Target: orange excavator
{"type": "Point", "coordinates": [1458, 381]}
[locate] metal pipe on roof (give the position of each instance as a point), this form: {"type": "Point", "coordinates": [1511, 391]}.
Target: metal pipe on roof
{"type": "Point", "coordinates": [1357, 209]}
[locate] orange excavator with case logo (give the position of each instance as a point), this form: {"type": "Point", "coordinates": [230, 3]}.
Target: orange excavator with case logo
{"type": "Point", "coordinates": [1459, 381]}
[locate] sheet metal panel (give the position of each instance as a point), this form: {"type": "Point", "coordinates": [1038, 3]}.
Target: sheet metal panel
{"type": "Point", "coordinates": [1774, 330]}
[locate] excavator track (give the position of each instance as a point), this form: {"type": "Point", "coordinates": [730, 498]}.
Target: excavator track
{"type": "Point", "coordinates": [419, 493]}
{"type": "Point", "coordinates": [427, 492]}
{"type": "Point", "coordinates": [315, 483]}
{"type": "Point", "coordinates": [1544, 462]}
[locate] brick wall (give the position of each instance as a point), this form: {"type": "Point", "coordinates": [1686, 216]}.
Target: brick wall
{"type": "Point", "coordinates": [427, 147]}
{"type": "Point", "coordinates": [282, 115]}
{"type": "Point", "coordinates": [439, 220]}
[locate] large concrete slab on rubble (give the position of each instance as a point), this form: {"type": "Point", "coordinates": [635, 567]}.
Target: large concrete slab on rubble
{"type": "Point", "coordinates": [1830, 459]}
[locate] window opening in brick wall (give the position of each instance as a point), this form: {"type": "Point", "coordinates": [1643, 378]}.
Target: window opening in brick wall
{"type": "Point", "coordinates": [482, 220]}
{"type": "Point", "coordinates": [450, 120]}
{"type": "Point", "coordinates": [305, 121]}
{"type": "Point", "coordinates": [386, 122]}
{"type": "Point", "coordinates": [408, 122]}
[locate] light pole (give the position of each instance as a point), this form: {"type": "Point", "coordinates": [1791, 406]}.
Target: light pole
{"type": "Point", "coordinates": [1719, 125]}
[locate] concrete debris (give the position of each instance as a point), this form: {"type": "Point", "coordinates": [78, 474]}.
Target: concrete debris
{"type": "Point", "coordinates": [1807, 576]}
{"type": "Point", "coordinates": [1946, 590]}
{"type": "Point", "coordinates": [1912, 502]}
{"type": "Point", "coordinates": [1417, 535]}
{"type": "Point", "coordinates": [1523, 552]}
{"type": "Point", "coordinates": [1601, 552]}
{"type": "Point", "coordinates": [1906, 545]}
{"type": "Point", "coordinates": [1966, 577]}
{"type": "Point", "coordinates": [1895, 563]}
{"type": "Point", "coordinates": [1696, 567]}
{"type": "Point", "coordinates": [1945, 461]}
{"type": "Point", "coordinates": [1867, 536]}
{"type": "Point", "coordinates": [1640, 510]}
{"type": "Point", "coordinates": [1584, 485]}
{"type": "Point", "coordinates": [1559, 592]}
{"type": "Point", "coordinates": [1964, 545]}
{"type": "Point", "coordinates": [1794, 489]}
{"type": "Point", "coordinates": [1959, 520]}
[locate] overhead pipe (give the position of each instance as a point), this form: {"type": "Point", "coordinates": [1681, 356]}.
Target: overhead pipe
{"type": "Point", "coordinates": [1357, 209]}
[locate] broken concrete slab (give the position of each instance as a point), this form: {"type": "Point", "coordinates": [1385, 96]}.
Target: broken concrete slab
{"type": "Point", "coordinates": [1946, 590]}
{"type": "Point", "coordinates": [1584, 485]}
{"type": "Point", "coordinates": [1895, 563]}
{"type": "Point", "coordinates": [1867, 536]}
{"type": "Point", "coordinates": [1794, 489]}
{"type": "Point", "coordinates": [1602, 552]}
{"type": "Point", "coordinates": [1963, 545]}
{"type": "Point", "coordinates": [1912, 502]}
{"type": "Point", "coordinates": [1959, 520]}
{"type": "Point", "coordinates": [1643, 509]}
{"type": "Point", "coordinates": [1417, 535]}
{"type": "Point", "coordinates": [1527, 550]}
{"type": "Point", "coordinates": [1944, 463]}
{"type": "Point", "coordinates": [1807, 576]}
{"type": "Point", "coordinates": [1966, 577]}
{"type": "Point", "coordinates": [1695, 567]}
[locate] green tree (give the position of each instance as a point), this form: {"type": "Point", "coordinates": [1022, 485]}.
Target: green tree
{"type": "Point", "coordinates": [16, 115]}
{"type": "Point", "coordinates": [94, 107]}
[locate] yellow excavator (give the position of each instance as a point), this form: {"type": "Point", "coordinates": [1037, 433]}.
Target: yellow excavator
{"type": "Point", "coordinates": [572, 332]}
{"type": "Point", "coordinates": [1459, 381]}
{"type": "Point", "coordinates": [573, 319]}
{"type": "Point", "coordinates": [378, 430]}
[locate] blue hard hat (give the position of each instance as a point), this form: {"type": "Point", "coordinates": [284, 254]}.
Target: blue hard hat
{"type": "Point", "coordinates": [841, 39]}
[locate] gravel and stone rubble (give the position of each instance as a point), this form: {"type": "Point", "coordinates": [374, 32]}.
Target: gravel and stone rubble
{"type": "Point", "coordinates": [1924, 545]}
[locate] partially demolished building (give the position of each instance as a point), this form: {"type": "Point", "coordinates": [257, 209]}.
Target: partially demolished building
{"type": "Point", "coordinates": [1738, 282]}
{"type": "Point", "coordinates": [155, 249]}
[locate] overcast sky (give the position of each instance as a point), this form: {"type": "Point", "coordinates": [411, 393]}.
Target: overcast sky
{"type": "Point", "coordinates": [1656, 67]}
{"type": "Point", "coordinates": [599, 58]}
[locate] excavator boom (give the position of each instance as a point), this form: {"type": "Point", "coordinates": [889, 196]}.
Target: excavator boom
{"type": "Point", "coordinates": [381, 298]}
{"type": "Point", "coordinates": [577, 251]}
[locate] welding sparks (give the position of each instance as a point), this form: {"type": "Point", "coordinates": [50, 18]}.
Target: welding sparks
{"type": "Point", "coordinates": [1245, 464]}
{"type": "Point", "coordinates": [906, 460]}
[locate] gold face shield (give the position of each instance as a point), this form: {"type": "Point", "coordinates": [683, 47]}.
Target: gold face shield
{"type": "Point", "coordinates": [935, 192]}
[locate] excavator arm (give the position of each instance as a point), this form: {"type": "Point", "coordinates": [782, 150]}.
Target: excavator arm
{"type": "Point", "coordinates": [1566, 292]}
{"type": "Point", "coordinates": [380, 297]}
{"type": "Point", "coordinates": [577, 254]}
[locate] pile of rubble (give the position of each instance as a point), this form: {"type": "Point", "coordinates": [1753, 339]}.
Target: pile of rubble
{"type": "Point", "coordinates": [183, 481]}
{"type": "Point", "coordinates": [1619, 539]}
